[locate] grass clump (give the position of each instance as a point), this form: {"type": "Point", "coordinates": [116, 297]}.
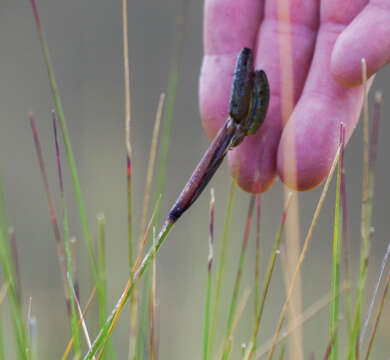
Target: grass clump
{"type": "Point", "coordinates": [142, 285]}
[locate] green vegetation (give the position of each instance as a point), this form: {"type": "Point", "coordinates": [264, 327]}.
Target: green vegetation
{"type": "Point", "coordinates": [143, 264]}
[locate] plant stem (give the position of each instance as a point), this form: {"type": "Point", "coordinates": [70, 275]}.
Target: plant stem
{"type": "Point", "coordinates": [68, 254]}
{"type": "Point", "coordinates": [209, 278]}
{"type": "Point", "coordinates": [303, 255]}
{"type": "Point", "coordinates": [106, 330]}
{"type": "Point", "coordinates": [237, 284]}
{"type": "Point", "coordinates": [334, 305]}
{"type": "Point", "coordinates": [19, 326]}
{"type": "Point", "coordinates": [221, 266]}
{"type": "Point", "coordinates": [259, 311]}
{"type": "Point", "coordinates": [366, 213]}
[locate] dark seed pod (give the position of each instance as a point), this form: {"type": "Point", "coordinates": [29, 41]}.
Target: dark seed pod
{"type": "Point", "coordinates": [240, 97]}
{"type": "Point", "coordinates": [260, 102]}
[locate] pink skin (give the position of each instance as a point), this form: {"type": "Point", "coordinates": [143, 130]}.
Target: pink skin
{"type": "Point", "coordinates": [368, 36]}
{"type": "Point", "coordinates": [313, 103]}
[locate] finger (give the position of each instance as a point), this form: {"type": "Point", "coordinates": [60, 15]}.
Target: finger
{"type": "Point", "coordinates": [229, 25]}
{"type": "Point", "coordinates": [368, 36]}
{"type": "Point", "coordinates": [287, 32]}
{"type": "Point", "coordinates": [310, 139]}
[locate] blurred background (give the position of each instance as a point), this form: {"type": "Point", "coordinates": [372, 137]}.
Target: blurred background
{"type": "Point", "coordinates": [85, 41]}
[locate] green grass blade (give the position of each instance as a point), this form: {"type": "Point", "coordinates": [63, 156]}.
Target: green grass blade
{"type": "Point", "coordinates": [143, 318]}
{"type": "Point", "coordinates": [207, 316]}
{"type": "Point", "coordinates": [282, 351]}
{"type": "Point", "coordinates": [3, 293]}
{"type": "Point", "coordinates": [365, 222]}
{"type": "Point", "coordinates": [106, 330]}
{"type": "Point", "coordinates": [152, 334]}
{"type": "Point", "coordinates": [19, 326]}
{"type": "Point", "coordinates": [335, 285]}
{"type": "Point", "coordinates": [259, 311]}
{"type": "Point", "coordinates": [367, 201]}
{"type": "Point", "coordinates": [257, 262]}
{"type": "Point", "coordinates": [345, 244]}
{"type": "Point", "coordinates": [68, 253]}
{"type": "Point", "coordinates": [16, 316]}
{"type": "Point", "coordinates": [372, 165]}
{"type": "Point", "coordinates": [241, 305]}
{"type": "Point", "coordinates": [74, 324]}
{"type": "Point", "coordinates": [237, 284]}
{"type": "Point", "coordinates": [102, 285]}
{"type": "Point", "coordinates": [209, 279]}
{"type": "Point", "coordinates": [221, 267]}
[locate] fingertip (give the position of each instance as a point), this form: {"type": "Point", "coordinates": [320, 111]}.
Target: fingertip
{"type": "Point", "coordinates": [346, 74]}
{"type": "Point", "coordinates": [248, 185]}
{"type": "Point", "coordinates": [303, 174]}
{"type": "Point", "coordinates": [249, 176]}
{"type": "Point", "coordinates": [346, 62]}
{"type": "Point", "coordinates": [305, 155]}
{"type": "Point", "coordinates": [310, 139]}
{"type": "Point", "coordinates": [368, 37]}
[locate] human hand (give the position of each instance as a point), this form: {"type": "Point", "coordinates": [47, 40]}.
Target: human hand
{"type": "Point", "coordinates": [311, 51]}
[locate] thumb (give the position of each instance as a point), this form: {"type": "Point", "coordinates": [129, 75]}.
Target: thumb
{"type": "Point", "coordinates": [367, 36]}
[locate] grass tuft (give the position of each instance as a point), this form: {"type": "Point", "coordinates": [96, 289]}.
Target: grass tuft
{"type": "Point", "coordinates": [160, 180]}
{"type": "Point", "coordinates": [237, 284]}
{"type": "Point", "coordinates": [271, 264]}
{"type": "Point", "coordinates": [9, 276]}
{"type": "Point", "coordinates": [303, 254]}
{"type": "Point", "coordinates": [66, 139]}
{"type": "Point", "coordinates": [143, 264]}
